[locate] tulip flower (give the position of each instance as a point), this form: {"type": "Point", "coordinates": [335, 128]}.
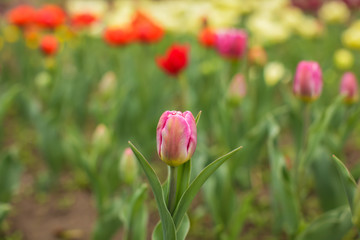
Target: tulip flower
{"type": "Point", "coordinates": [117, 36]}
{"type": "Point", "coordinates": [22, 15]}
{"type": "Point", "coordinates": [308, 5]}
{"type": "Point", "coordinates": [343, 59]}
{"type": "Point", "coordinates": [207, 37]}
{"type": "Point", "coordinates": [349, 87]}
{"type": "Point", "coordinates": [231, 43]}
{"type": "Point", "coordinates": [82, 20]}
{"type": "Point", "coordinates": [257, 56]}
{"type": "Point", "coordinates": [146, 30]}
{"type": "Point", "coordinates": [308, 80]}
{"type": "Point", "coordinates": [176, 137]}
{"type": "Point", "coordinates": [49, 45]}
{"type": "Point", "coordinates": [50, 16]}
{"type": "Point", "coordinates": [128, 167]}
{"type": "Point", "coordinates": [237, 89]}
{"type": "Point", "coordinates": [175, 59]}
{"type": "Point", "coordinates": [352, 3]}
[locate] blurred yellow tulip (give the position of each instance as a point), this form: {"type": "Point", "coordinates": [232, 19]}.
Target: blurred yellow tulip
{"type": "Point", "coordinates": [11, 33]}
{"type": "Point", "coordinates": [273, 73]}
{"type": "Point", "coordinates": [343, 59]}
{"type": "Point", "coordinates": [334, 12]}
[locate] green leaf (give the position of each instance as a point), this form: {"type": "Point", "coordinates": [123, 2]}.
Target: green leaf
{"type": "Point", "coordinates": [347, 180]}
{"type": "Point", "coordinates": [165, 216]}
{"type": "Point", "coordinates": [181, 233]}
{"type": "Point", "coordinates": [10, 172]}
{"type": "Point", "coordinates": [183, 179]}
{"type": "Point", "coordinates": [197, 118]}
{"type": "Point", "coordinates": [4, 209]}
{"type": "Point", "coordinates": [157, 233]}
{"type": "Point", "coordinates": [6, 100]}
{"type": "Point", "coordinates": [332, 225]}
{"type": "Point", "coordinates": [195, 186]}
{"type": "Point", "coordinates": [286, 208]}
{"type": "Point", "coordinates": [184, 228]}
{"type": "Point", "coordinates": [138, 215]}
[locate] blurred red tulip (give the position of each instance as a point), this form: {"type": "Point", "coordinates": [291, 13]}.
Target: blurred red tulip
{"type": "Point", "coordinates": [22, 15]}
{"type": "Point", "coordinates": [117, 36]}
{"type": "Point", "coordinates": [50, 16]}
{"type": "Point", "coordinates": [207, 37]}
{"type": "Point", "coordinates": [83, 20]}
{"type": "Point", "coordinates": [146, 30]}
{"type": "Point", "coordinates": [352, 3]}
{"type": "Point", "coordinates": [175, 59]}
{"type": "Point", "coordinates": [308, 5]}
{"type": "Point", "coordinates": [49, 45]}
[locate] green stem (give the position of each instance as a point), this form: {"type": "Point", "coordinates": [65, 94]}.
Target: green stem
{"type": "Point", "coordinates": [172, 189]}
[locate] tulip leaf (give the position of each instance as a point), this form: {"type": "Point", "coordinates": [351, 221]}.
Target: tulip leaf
{"type": "Point", "coordinates": [197, 118]}
{"type": "Point", "coordinates": [180, 233]}
{"type": "Point", "coordinates": [286, 208]}
{"type": "Point", "coordinates": [347, 181]}
{"type": "Point", "coordinates": [183, 179]}
{"type": "Point", "coordinates": [332, 225]}
{"type": "Point", "coordinates": [138, 215]}
{"type": "Point", "coordinates": [184, 228]}
{"type": "Point", "coordinates": [195, 186]}
{"type": "Point", "coordinates": [4, 209]}
{"type": "Point", "coordinates": [168, 226]}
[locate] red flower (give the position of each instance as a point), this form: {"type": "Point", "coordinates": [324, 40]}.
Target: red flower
{"type": "Point", "coordinates": [50, 16]}
{"type": "Point", "coordinates": [175, 60]}
{"type": "Point", "coordinates": [49, 45]}
{"type": "Point", "coordinates": [207, 37]}
{"type": "Point", "coordinates": [83, 20]}
{"type": "Point", "coordinates": [352, 3]}
{"type": "Point", "coordinates": [308, 5]}
{"type": "Point", "coordinates": [22, 15]}
{"type": "Point", "coordinates": [146, 29]}
{"type": "Point", "coordinates": [117, 36]}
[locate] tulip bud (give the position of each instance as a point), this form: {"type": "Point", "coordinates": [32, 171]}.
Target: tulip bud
{"type": "Point", "coordinates": [128, 167]}
{"type": "Point", "coordinates": [176, 137]}
{"type": "Point", "coordinates": [237, 89]}
{"type": "Point", "coordinates": [101, 138]}
{"type": "Point", "coordinates": [349, 87]}
{"type": "Point", "coordinates": [273, 72]}
{"type": "Point", "coordinates": [308, 80]}
{"type": "Point", "coordinates": [49, 45]}
{"type": "Point", "coordinates": [343, 59]}
{"type": "Point", "coordinates": [334, 12]}
{"type": "Point", "coordinates": [107, 84]}
{"type": "Point", "coordinates": [231, 43]}
{"type": "Point", "coordinates": [257, 56]}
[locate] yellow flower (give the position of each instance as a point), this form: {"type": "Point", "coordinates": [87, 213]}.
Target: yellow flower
{"type": "Point", "coordinates": [273, 73]}
{"type": "Point", "coordinates": [334, 12]}
{"type": "Point", "coordinates": [309, 28]}
{"type": "Point", "coordinates": [343, 59]}
{"type": "Point", "coordinates": [351, 37]}
{"type": "Point", "coordinates": [11, 33]}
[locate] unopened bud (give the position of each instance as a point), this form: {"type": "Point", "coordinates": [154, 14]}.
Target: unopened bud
{"type": "Point", "coordinates": [101, 138]}
{"type": "Point", "coordinates": [128, 167]}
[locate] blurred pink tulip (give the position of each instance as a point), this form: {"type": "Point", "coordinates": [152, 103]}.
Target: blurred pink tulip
{"type": "Point", "coordinates": [176, 137]}
{"type": "Point", "coordinates": [237, 89]}
{"type": "Point", "coordinates": [308, 80]}
{"type": "Point", "coordinates": [231, 43]}
{"type": "Point", "coordinates": [349, 87]}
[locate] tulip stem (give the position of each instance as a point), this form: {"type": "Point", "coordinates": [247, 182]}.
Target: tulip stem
{"type": "Point", "coordinates": [172, 189]}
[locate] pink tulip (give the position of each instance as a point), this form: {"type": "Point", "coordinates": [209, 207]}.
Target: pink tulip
{"type": "Point", "coordinates": [308, 80]}
{"type": "Point", "coordinates": [231, 43]}
{"type": "Point", "coordinates": [176, 137]}
{"type": "Point", "coordinates": [237, 89]}
{"type": "Point", "coordinates": [349, 87]}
